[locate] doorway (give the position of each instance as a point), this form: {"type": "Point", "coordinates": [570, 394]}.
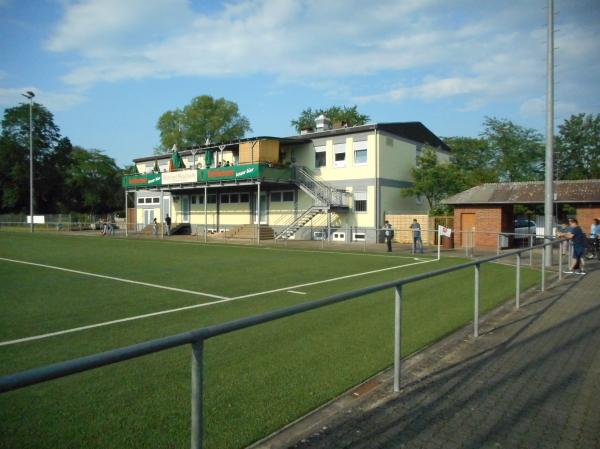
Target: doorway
{"type": "Point", "coordinates": [263, 208]}
{"type": "Point", "coordinates": [467, 223]}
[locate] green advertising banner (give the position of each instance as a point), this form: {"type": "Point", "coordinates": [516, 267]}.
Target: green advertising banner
{"type": "Point", "coordinates": [142, 180]}
{"type": "Point", "coordinates": [208, 175]}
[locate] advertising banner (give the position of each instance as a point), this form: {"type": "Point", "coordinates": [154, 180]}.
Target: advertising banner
{"type": "Point", "coordinates": [179, 177]}
{"type": "Point", "coordinates": [142, 180]}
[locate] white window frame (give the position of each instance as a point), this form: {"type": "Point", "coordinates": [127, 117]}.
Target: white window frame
{"type": "Point", "coordinates": [338, 236]}
{"type": "Point", "coordinates": [360, 146]}
{"type": "Point", "coordinates": [359, 236]}
{"type": "Point", "coordinates": [339, 148]}
{"type": "Point", "coordinates": [320, 149]}
{"type": "Point", "coordinates": [360, 196]}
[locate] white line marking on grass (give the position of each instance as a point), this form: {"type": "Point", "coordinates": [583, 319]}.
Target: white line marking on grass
{"type": "Point", "coordinates": [107, 323]}
{"type": "Point", "coordinates": [332, 279]}
{"type": "Point", "coordinates": [129, 281]}
{"type": "Point", "coordinates": [163, 312]}
{"type": "Point", "coordinates": [297, 293]}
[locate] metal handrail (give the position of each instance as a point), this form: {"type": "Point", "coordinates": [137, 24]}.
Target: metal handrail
{"type": "Point", "coordinates": [296, 220]}
{"type": "Point", "coordinates": [320, 190]}
{"type": "Point", "coordinates": [197, 337]}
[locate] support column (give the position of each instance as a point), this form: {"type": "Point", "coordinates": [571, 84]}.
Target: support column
{"type": "Point", "coordinates": [126, 214]}
{"type": "Point", "coordinates": [397, 337]}
{"type": "Point", "coordinates": [205, 214]}
{"type": "Point", "coordinates": [162, 212]}
{"type": "Point", "coordinates": [258, 214]}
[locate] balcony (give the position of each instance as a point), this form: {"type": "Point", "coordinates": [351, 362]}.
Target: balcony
{"type": "Point", "coordinates": [234, 173]}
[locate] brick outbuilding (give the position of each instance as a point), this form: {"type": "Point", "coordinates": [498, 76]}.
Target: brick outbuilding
{"type": "Point", "coordinates": [487, 209]}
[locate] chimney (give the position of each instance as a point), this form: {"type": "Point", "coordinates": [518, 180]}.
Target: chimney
{"type": "Point", "coordinates": [322, 123]}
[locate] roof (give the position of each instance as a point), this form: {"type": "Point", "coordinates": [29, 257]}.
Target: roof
{"type": "Point", "coordinates": [414, 131]}
{"type": "Point", "coordinates": [531, 192]}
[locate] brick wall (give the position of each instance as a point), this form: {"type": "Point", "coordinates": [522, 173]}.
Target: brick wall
{"type": "Point", "coordinates": [489, 222]}
{"type": "Point", "coordinates": [401, 224]}
{"type": "Point", "coordinates": [585, 214]}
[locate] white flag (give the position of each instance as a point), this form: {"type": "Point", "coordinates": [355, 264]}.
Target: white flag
{"type": "Point", "coordinates": [443, 230]}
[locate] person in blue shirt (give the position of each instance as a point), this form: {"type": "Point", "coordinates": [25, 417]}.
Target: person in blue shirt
{"type": "Point", "coordinates": [595, 231]}
{"type": "Point", "coordinates": [577, 238]}
{"type": "Point", "coordinates": [416, 234]}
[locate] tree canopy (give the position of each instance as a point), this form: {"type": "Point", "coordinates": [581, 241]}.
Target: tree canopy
{"type": "Point", "coordinates": [337, 114]}
{"type": "Point", "coordinates": [577, 149]}
{"type": "Point", "coordinates": [66, 178]}
{"type": "Point", "coordinates": [204, 118]}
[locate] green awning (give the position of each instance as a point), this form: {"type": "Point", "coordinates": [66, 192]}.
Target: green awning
{"type": "Point", "coordinates": [208, 158]}
{"type": "Point", "coordinates": [177, 161]}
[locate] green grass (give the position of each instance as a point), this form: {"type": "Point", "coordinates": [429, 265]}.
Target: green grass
{"type": "Point", "coordinates": [256, 380]}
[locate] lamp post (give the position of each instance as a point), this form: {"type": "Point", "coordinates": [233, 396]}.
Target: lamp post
{"type": "Point", "coordinates": [29, 95]}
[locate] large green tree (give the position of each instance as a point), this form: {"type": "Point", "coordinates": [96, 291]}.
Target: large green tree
{"type": "Point", "coordinates": [337, 114]}
{"type": "Point", "coordinates": [577, 151]}
{"type": "Point", "coordinates": [472, 158]}
{"type": "Point", "coordinates": [14, 157]}
{"type": "Point", "coordinates": [217, 120]}
{"type": "Point", "coordinates": [516, 152]}
{"type": "Point", "coordinates": [434, 180]}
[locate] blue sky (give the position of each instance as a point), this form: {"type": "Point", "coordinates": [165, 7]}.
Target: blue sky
{"type": "Point", "coordinates": [108, 69]}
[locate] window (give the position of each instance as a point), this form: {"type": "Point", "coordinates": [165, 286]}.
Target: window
{"type": "Point", "coordinates": [360, 157]}
{"type": "Point", "coordinates": [193, 199]}
{"type": "Point", "coordinates": [320, 156]}
{"type": "Point", "coordinates": [359, 236]}
{"type": "Point", "coordinates": [360, 201]}
{"type": "Point", "coordinates": [275, 197]}
{"type": "Point", "coordinates": [288, 196]}
{"type": "Point", "coordinates": [234, 197]}
{"type": "Point", "coordinates": [200, 199]}
{"type": "Point", "coordinates": [156, 200]}
{"type": "Point", "coordinates": [244, 198]}
{"type": "Point", "coordinates": [339, 150]}
{"type": "Point", "coordinates": [140, 200]}
{"type": "Point", "coordinates": [339, 237]}
{"type": "Point", "coordinates": [148, 200]}
{"type": "Point", "coordinates": [211, 198]}
{"type": "Point", "coordinates": [224, 198]}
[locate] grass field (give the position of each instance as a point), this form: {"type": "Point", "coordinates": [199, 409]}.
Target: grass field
{"type": "Point", "coordinates": [64, 301]}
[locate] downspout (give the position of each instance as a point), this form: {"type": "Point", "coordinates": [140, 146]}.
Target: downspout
{"type": "Point", "coordinates": [377, 193]}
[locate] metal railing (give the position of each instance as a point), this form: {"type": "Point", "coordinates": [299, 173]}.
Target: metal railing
{"type": "Point", "coordinates": [321, 192]}
{"type": "Point", "coordinates": [196, 338]}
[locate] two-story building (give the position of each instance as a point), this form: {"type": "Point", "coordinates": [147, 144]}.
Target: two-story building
{"type": "Point", "coordinates": [304, 186]}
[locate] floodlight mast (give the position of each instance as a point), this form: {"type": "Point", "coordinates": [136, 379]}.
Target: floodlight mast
{"type": "Point", "coordinates": [548, 179]}
{"type": "Point", "coordinates": [29, 95]}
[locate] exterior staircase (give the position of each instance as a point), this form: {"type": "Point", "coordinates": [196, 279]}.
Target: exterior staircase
{"type": "Point", "coordinates": [325, 197]}
{"type": "Point", "coordinates": [248, 232]}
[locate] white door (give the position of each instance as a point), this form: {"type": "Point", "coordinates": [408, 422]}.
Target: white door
{"type": "Point", "coordinates": [185, 209]}
{"type": "Point", "coordinates": [166, 207]}
{"type": "Point", "coordinates": [148, 216]}
{"type": "Point", "coordinates": [263, 208]}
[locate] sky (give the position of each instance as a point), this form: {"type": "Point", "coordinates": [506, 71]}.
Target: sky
{"type": "Point", "coordinates": [107, 69]}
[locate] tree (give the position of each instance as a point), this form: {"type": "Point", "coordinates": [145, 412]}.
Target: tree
{"type": "Point", "coordinates": [337, 114]}
{"type": "Point", "coordinates": [472, 157]}
{"type": "Point", "coordinates": [14, 157]}
{"type": "Point", "coordinates": [577, 153]}
{"type": "Point", "coordinates": [94, 182]}
{"type": "Point", "coordinates": [517, 153]}
{"type": "Point", "coordinates": [434, 181]}
{"type": "Point", "coordinates": [204, 118]}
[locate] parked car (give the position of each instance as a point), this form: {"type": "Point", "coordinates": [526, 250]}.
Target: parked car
{"type": "Point", "coordinates": [524, 228]}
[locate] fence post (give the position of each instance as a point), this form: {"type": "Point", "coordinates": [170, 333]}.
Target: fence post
{"type": "Point", "coordinates": [518, 282]}
{"type": "Point", "coordinates": [397, 336]}
{"type": "Point", "coordinates": [476, 305]}
{"type": "Point", "coordinates": [560, 271]}
{"type": "Point", "coordinates": [197, 424]}
{"type": "Point", "coordinates": [543, 268]}
{"type": "Point", "coordinates": [530, 251]}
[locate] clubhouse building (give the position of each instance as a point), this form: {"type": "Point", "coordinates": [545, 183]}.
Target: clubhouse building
{"type": "Point", "coordinates": [305, 186]}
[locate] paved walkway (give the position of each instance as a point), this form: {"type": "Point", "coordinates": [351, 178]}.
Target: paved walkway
{"type": "Point", "coordinates": [531, 380]}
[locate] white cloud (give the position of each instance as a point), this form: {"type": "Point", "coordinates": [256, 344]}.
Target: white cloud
{"type": "Point", "coordinates": [55, 101]}
{"type": "Point", "coordinates": [433, 49]}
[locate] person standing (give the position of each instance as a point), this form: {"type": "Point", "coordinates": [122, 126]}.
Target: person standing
{"type": "Point", "coordinates": [168, 222]}
{"type": "Point", "coordinates": [111, 225]}
{"type": "Point", "coordinates": [389, 235]}
{"type": "Point", "coordinates": [577, 237]}
{"type": "Point", "coordinates": [155, 227]}
{"type": "Point", "coordinates": [416, 233]}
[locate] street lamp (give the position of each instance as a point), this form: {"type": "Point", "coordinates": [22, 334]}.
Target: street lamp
{"type": "Point", "coordinates": [29, 95]}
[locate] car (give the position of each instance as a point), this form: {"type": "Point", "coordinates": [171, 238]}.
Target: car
{"type": "Point", "coordinates": [524, 228]}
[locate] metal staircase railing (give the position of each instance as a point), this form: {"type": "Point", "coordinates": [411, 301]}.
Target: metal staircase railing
{"type": "Point", "coordinates": [300, 221]}
{"type": "Point", "coordinates": [323, 194]}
